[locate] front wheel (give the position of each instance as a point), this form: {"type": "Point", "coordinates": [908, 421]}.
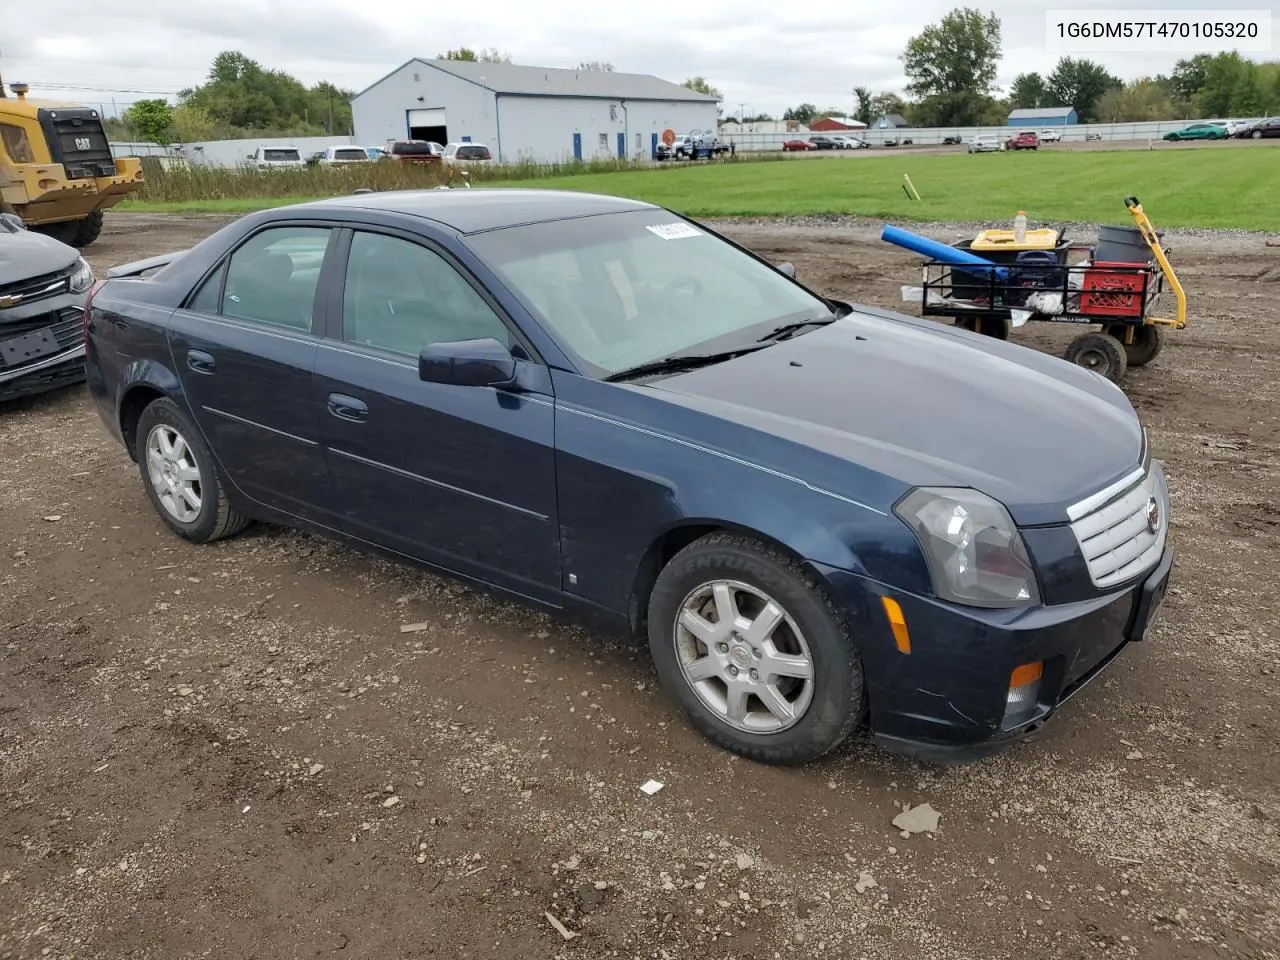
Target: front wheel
{"type": "Point", "coordinates": [753, 649]}
{"type": "Point", "coordinates": [1257, 134]}
{"type": "Point", "coordinates": [180, 477]}
{"type": "Point", "coordinates": [1099, 352]}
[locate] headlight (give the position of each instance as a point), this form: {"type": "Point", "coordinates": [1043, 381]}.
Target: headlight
{"type": "Point", "coordinates": [975, 553]}
{"type": "Point", "coordinates": [81, 276]}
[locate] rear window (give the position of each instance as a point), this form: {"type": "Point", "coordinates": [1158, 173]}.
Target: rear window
{"type": "Point", "coordinates": [352, 154]}
{"type": "Point", "coordinates": [414, 149]}
{"type": "Point", "coordinates": [281, 155]}
{"type": "Point", "coordinates": [474, 153]}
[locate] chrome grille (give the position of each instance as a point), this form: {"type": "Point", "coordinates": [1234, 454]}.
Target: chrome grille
{"type": "Point", "coordinates": [34, 288]}
{"type": "Point", "coordinates": [1116, 538]}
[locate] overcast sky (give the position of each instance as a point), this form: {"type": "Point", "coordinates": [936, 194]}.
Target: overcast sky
{"type": "Point", "coordinates": [762, 54]}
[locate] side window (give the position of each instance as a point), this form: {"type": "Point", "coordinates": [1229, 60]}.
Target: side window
{"type": "Point", "coordinates": [209, 297]}
{"type": "Point", "coordinates": [272, 278]}
{"type": "Point", "coordinates": [16, 144]}
{"type": "Point", "coordinates": [400, 297]}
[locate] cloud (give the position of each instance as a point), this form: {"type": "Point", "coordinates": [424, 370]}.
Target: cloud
{"type": "Point", "coordinates": [760, 53]}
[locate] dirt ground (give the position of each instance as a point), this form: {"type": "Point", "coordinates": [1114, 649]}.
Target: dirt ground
{"type": "Point", "coordinates": [234, 751]}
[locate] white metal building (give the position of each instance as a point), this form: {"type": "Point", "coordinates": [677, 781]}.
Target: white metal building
{"type": "Point", "coordinates": [542, 114]}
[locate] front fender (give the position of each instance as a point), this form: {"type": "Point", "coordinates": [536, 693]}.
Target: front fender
{"type": "Point", "coordinates": [625, 489]}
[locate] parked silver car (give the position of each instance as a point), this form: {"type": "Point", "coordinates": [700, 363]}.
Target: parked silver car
{"type": "Point", "coordinates": [43, 283]}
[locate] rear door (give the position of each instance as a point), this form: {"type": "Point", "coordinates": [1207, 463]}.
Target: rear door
{"type": "Point", "coordinates": [244, 346]}
{"type": "Point", "coordinates": [458, 476]}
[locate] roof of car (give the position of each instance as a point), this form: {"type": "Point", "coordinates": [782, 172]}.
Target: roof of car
{"type": "Point", "coordinates": [470, 211]}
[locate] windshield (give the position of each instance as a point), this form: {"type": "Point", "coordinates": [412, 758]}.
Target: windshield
{"type": "Point", "coordinates": [280, 155]}
{"type": "Point", "coordinates": [630, 288]}
{"type": "Point", "coordinates": [354, 153]}
{"type": "Point", "coordinates": [475, 153]}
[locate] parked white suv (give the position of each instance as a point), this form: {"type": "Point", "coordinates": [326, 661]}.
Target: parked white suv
{"type": "Point", "coordinates": [1050, 136]}
{"type": "Point", "coordinates": [466, 153]}
{"type": "Point", "coordinates": [341, 156]}
{"type": "Point", "coordinates": [984, 143]}
{"type": "Point", "coordinates": [276, 157]}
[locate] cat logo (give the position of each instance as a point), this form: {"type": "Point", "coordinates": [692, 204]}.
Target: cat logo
{"type": "Point", "coordinates": [84, 143]}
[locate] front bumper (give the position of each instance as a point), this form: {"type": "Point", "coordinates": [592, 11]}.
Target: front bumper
{"type": "Point", "coordinates": [60, 370]}
{"type": "Point", "coordinates": [946, 699]}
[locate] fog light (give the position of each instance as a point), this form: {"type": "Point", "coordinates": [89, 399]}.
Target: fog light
{"type": "Point", "coordinates": [1022, 703]}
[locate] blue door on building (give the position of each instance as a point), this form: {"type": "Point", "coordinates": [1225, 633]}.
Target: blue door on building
{"type": "Point", "coordinates": [653, 147]}
{"type": "Point", "coordinates": [577, 146]}
{"type": "Point", "coordinates": [622, 145]}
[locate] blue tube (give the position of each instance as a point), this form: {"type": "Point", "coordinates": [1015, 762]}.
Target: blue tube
{"type": "Point", "coordinates": [939, 251]}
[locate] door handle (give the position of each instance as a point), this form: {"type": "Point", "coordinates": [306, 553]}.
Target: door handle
{"type": "Point", "coordinates": [200, 362]}
{"type": "Point", "coordinates": [348, 408]}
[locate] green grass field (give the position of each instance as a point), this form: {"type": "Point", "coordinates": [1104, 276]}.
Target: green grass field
{"type": "Point", "coordinates": [1226, 187]}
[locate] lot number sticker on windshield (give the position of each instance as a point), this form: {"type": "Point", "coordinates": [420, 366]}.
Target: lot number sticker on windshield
{"type": "Point", "coordinates": [674, 231]}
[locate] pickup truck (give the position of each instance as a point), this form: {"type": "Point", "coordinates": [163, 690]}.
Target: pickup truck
{"type": "Point", "coordinates": [698, 145]}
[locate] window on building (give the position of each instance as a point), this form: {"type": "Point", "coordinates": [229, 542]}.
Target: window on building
{"type": "Point", "coordinates": [604, 141]}
{"type": "Point", "coordinates": [639, 142]}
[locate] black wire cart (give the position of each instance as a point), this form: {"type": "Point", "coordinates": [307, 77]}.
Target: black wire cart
{"type": "Point", "coordinates": [1066, 284]}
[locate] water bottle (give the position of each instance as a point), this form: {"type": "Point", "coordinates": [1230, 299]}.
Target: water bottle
{"type": "Point", "coordinates": [1020, 227]}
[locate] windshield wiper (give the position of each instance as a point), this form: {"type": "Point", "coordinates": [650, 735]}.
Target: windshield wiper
{"type": "Point", "coordinates": [681, 362]}
{"type": "Point", "coordinates": [788, 330]}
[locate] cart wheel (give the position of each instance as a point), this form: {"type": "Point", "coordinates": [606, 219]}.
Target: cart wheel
{"type": "Point", "coordinates": [1099, 352]}
{"type": "Point", "coordinates": [1147, 341]}
{"type": "Point", "coordinates": [990, 326]}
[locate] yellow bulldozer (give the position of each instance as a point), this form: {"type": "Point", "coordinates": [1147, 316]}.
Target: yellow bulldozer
{"type": "Point", "coordinates": [56, 168]}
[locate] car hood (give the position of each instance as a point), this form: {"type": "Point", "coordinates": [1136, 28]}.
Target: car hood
{"type": "Point", "coordinates": [928, 405]}
{"type": "Point", "coordinates": [26, 254]}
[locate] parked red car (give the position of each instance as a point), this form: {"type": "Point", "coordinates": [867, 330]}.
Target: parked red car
{"type": "Point", "coordinates": [797, 145]}
{"type": "Point", "coordinates": [1026, 140]}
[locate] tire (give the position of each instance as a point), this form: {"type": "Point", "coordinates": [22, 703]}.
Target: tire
{"type": "Point", "coordinates": [1099, 352]}
{"type": "Point", "coordinates": [991, 327]}
{"type": "Point", "coordinates": [1147, 342]}
{"type": "Point", "coordinates": [810, 716]}
{"type": "Point", "coordinates": [214, 518]}
{"type": "Point", "coordinates": [1257, 134]}
{"type": "Point", "coordinates": [87, 230]}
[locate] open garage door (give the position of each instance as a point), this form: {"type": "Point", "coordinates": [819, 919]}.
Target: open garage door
{"type": "Point", "coordinates": [428, 125]}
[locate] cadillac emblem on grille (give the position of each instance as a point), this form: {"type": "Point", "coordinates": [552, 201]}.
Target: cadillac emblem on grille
{"type": "Point", "coordinates": [1153, 515]}
{"type": "Point", "coordinates": [10, 300]}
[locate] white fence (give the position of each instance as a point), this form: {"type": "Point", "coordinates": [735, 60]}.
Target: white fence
{"type": "Point", "coordinates": [227, 153]}
{"type": "Point", "coordinates": [935, 135]}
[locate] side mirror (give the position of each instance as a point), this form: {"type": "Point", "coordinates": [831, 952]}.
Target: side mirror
{"type": "Point", "coordinates": [788, 269]}
{"type": "Point", "coordinates": [467, 363]}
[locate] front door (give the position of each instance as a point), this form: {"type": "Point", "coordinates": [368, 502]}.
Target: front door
{"type": "Point", "coordinates": [243, 348]}
{"type": "Point", "coordinates": [462, 477]}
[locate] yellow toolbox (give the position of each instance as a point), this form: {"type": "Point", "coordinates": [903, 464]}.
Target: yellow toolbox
{"type": "Point", "coordinates": [1045, 238]}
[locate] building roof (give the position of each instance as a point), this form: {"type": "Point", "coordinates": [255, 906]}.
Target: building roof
{"type": "Point", "coordinates": [515, 80]}
{"type": "Point", "coordinates": [491, 208]}
{"type": "Point", "coordinates": [849, 122]}
{"type": "Point", "coordinates": [896, 119]}
{"type": "Point", "coordinates": [1038, 113]}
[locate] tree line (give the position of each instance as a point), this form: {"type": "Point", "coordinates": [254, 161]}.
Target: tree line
{"type": "Point", "coordinates": [951, 71]}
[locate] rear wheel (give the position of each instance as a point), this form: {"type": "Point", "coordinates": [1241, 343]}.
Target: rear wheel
{"type": "Point", "coordinates": [754, 650]}
{"type": "Point", "coordinates": [87, 230]}
{"type": "Point", "coordinates": [1147, 341]}
{"type": "Point", "coordinates": [1099, 352]}
{"type": "Point", "coordinates": [180, 477]}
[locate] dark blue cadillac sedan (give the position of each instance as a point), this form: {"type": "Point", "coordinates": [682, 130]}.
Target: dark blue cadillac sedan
{"type": "Point", "coordinates": [820, 516]}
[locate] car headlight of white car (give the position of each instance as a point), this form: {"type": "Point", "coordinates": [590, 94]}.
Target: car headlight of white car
{"type": "Point", "coordinates": [81, 276]}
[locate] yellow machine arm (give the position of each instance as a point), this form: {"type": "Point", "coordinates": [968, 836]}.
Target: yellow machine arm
{"type": "Point", "coordinates": [1149, 234]}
